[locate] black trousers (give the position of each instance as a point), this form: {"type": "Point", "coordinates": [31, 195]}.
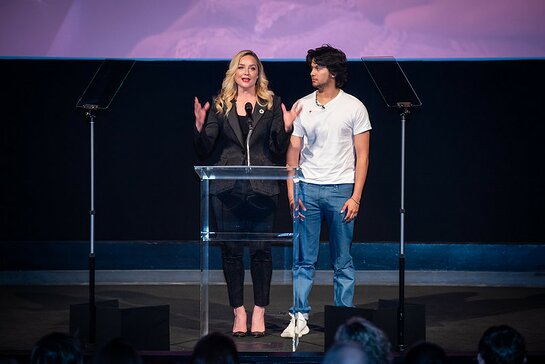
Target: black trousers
{"type": "Point", "coordinates": [242, 210]}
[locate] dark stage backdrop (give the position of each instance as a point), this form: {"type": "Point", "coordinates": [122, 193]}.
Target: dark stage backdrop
{"type": "Point", "coordinates": [475, 151]}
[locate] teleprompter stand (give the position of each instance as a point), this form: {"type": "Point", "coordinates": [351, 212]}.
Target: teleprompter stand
{"type": "Point", "coordinates": [398, 94]}
{"type": "Point", "coordinates": [98, 96]}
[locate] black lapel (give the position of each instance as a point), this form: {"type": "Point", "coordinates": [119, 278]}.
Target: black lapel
{"type": "Point", "coordinates": [232, 118]}
{"type": "Point", "coordinates": [256, 117]}
{"type": "Point", "coordinates": [258, 113]}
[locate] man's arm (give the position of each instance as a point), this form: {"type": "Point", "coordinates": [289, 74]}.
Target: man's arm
{"type": "Point", "coordinates": [361, 145]}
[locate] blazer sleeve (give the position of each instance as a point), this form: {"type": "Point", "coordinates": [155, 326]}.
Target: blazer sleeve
{"type": "Point", "coordinates": [205, 140]}
{"type": "Point", "coordinates": [279, 139]}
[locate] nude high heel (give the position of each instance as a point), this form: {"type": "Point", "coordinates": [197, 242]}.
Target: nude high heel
{"type": "Point", "coordinates": [258, 322]}
{"type": "Point", "coordinates": [240, 327]}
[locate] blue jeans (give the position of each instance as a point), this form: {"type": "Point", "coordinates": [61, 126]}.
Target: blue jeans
{"type": "Point", "coordinates": [323, 202]}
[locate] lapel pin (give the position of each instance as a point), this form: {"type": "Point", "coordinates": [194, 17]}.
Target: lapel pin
{"type": "Point", "coordinates": [261, 111]}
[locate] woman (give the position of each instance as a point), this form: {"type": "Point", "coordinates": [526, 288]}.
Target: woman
{"type": "Point", "coordinates": [245, 205]}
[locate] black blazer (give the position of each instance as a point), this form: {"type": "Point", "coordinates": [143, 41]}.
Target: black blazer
{"type": "Point", "coordinates": [221, 142]}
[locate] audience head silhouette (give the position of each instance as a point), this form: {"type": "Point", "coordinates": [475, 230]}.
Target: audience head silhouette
{"type": "Point", "coordinates": [56, 348]}
{"type": "Point", "coordinates": [346, 353]}
{"type": "Point", "coordinates": [425, 353]}
{"type": "Point", "coordinates": [373, 340]}
{"type": "Point", "coordinates": [502, 345]}
{"type": "Point", "coordinates": [117, 351]}
{"type": "Point", "coordinates": [215, 348]}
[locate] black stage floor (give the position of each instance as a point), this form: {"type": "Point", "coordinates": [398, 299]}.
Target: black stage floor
{"type": "Point", "coordinates": [455, 316]}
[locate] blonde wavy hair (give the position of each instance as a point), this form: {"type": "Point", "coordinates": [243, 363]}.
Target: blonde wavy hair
{"type": "Point", "coordinates": [229, 88]}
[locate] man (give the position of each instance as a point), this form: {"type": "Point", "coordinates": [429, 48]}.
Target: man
{"type": "Point", "coordinates": [501, 344]}
{"type": "Point", "coordinates": [330, 142]}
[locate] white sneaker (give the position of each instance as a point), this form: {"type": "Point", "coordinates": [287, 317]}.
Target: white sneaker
{"type": "Point", "coordinates": [290, 330]}
{"type": "Point", "coordinates": [298, 323]}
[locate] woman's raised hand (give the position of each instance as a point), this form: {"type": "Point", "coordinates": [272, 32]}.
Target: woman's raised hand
{"type": "Point", "coordinates": [200, 113]}
{"type": "Point", "coordinates": [291, 115]}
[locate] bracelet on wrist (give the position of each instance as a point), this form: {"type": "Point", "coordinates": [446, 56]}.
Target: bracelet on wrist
{"type": "Point", "coordinates": [357, 202]}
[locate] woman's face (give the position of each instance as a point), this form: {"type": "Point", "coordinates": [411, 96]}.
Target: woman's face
{"type": "Point", "coordinates": [247, 73]}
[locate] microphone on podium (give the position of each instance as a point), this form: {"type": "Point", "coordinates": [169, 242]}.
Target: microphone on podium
{"type": "Point", "coordinates": [248, 107]}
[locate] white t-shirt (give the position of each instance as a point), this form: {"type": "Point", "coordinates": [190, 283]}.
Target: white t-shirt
{"type": "Point", "coordinates": [328, 155]}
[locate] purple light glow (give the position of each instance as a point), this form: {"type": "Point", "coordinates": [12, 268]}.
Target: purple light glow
{"type": "Point", "coordinates": [273, 28]}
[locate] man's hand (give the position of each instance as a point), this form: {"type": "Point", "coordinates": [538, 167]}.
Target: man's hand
{"type": "Point", "coordinates": [350, 209]}
{"type": "Point", "coordinates": [296, 211]}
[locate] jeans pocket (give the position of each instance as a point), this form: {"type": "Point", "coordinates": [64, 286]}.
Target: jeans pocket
{"type": "Point", "coordinates": [344, 190]}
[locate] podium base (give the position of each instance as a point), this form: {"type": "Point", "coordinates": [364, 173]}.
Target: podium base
{"type": "Point", "coordinates": [145, 328]}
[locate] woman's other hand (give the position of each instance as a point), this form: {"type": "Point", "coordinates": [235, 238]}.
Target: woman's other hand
{"type": "Point", "coordinates": [290, 115]}
{"type": "Point", "coordinates": [200, 113]}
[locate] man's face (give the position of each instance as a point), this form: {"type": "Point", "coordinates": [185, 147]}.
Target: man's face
{"type": "Point", "coordinates": [319, 75]}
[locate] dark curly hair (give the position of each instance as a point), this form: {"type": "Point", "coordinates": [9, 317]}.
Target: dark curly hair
{"type": "Point", "coordinates": [332, 58]}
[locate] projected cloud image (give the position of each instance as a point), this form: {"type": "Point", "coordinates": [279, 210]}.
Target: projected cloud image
{"type": "Point", "coordinates": [273, 28]}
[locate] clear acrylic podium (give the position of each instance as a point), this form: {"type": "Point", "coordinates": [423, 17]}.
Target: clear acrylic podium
{"type": "Point", "coordinates": [207, 235]}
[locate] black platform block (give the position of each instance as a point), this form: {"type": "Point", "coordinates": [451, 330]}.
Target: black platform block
{"type": "Point", "coordinates": [146, 328]}
{"type": "Point", "coordinates": [384, 317]}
